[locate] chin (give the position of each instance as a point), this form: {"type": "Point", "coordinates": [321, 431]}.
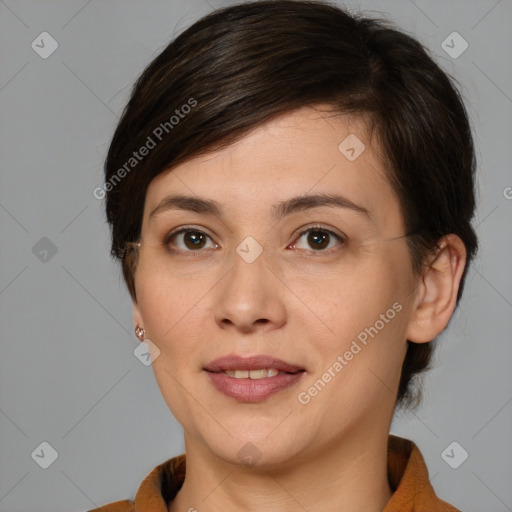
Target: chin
{"type": "Point", "coordinates": [251, 448]}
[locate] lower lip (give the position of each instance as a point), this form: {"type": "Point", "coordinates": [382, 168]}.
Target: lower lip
{"type": "Point", "coordinates": [253, 390]}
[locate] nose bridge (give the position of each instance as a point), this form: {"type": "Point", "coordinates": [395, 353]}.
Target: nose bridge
{"type": "Point", "coordinates": [249, 292]}
{"type": "Point", "coordinates": [248, 268]}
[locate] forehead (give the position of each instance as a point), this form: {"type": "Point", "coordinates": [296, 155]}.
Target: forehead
{"type": "Point", "coordinates": [310, 150]}
{"type": "Point", "coordinates": [303, 137]}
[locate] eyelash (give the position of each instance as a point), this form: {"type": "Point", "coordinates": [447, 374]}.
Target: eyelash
{"type": "Point", "coordinates": [186, 229]}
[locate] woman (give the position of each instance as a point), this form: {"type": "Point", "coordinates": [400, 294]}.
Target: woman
{"type": "Point", "coordinates": [290, 191]}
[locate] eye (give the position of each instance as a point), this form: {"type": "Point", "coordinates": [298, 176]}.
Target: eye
{"type": "Point", "coordinates": [318, 238]}
{"type": "Point", "coordinates": [191, 240]}
{"type": "Point", "coordinates": [188, 239]}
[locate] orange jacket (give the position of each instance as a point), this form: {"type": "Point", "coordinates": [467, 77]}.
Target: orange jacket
{"type": "Point", "coordinates": [407, 475]}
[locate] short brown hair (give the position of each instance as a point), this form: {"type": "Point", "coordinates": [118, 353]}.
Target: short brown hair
{"type": "Point", "coordinates": [240, 66]}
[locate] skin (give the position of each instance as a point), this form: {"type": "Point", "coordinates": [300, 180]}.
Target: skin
{"type": "Point", "coordinates": [293, 302]}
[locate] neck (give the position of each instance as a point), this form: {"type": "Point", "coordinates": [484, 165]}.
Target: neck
{"type": "Point", "coordinates": [348, 474]}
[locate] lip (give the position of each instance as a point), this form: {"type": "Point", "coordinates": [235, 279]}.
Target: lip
{"type": "Point", "coordinates": [249, 390]}
{"type": "Point", "coordinates": [256, 362]}
{"type": "Point", "coordinates": [252, 390]}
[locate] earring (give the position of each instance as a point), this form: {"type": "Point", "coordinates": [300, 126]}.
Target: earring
{"type": "Point", "coordinates": [140, 333]}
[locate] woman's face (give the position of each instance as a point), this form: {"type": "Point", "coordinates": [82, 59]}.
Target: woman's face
{"type": "Point", "coordinates": [252, 283]}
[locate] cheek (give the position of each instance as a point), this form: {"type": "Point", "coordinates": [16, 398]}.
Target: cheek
{"type": "Point", "coordinates": [168, 305]}
{"type": "Point", "coordinates": [362, 318]}
{"type": "Point", "coordinates": [366, 356]}
{"type": "Point", "coordinates": [345, 300]}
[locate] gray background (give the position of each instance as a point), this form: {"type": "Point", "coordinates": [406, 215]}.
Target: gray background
{"type": "Point", "coordinates": [68, 375]}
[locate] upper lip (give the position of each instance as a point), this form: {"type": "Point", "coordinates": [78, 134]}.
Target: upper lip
{"type": "Point", "coordinates": [256, 362]}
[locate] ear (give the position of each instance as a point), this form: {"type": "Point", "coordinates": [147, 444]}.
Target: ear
{"type": "Point", "coordinates": [137, 316]}
{"type": "Point", "coordinates": [437, 293]}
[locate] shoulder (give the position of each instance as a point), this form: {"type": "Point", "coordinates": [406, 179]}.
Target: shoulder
{"type": "Point", "coordinates": [117, 506]}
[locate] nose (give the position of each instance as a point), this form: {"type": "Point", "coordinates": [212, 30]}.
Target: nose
{"type": "Point", "coordinates": [250, 298]}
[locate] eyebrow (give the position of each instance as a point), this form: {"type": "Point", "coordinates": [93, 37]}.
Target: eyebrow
{"type": "Point", "coordinates": [279, 210]}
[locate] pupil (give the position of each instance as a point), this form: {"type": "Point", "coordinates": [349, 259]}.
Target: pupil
{"type": "Point", "coordinates": [194, 237]}
{"type": "Point", "coordinates": [319, 238]}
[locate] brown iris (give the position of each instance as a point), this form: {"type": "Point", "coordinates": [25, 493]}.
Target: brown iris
{"type": "Point", "coordinates": [195, 238]}
{"type": "Point", "coordinates": [318, 239]}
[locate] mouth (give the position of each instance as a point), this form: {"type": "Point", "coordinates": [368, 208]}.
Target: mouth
{"type": "Point", "coordinates": [255, 374]}
{"type": "Point", "coordinates": [256, 363]}
{"type": "Point", "coordinates": [254, 378]}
